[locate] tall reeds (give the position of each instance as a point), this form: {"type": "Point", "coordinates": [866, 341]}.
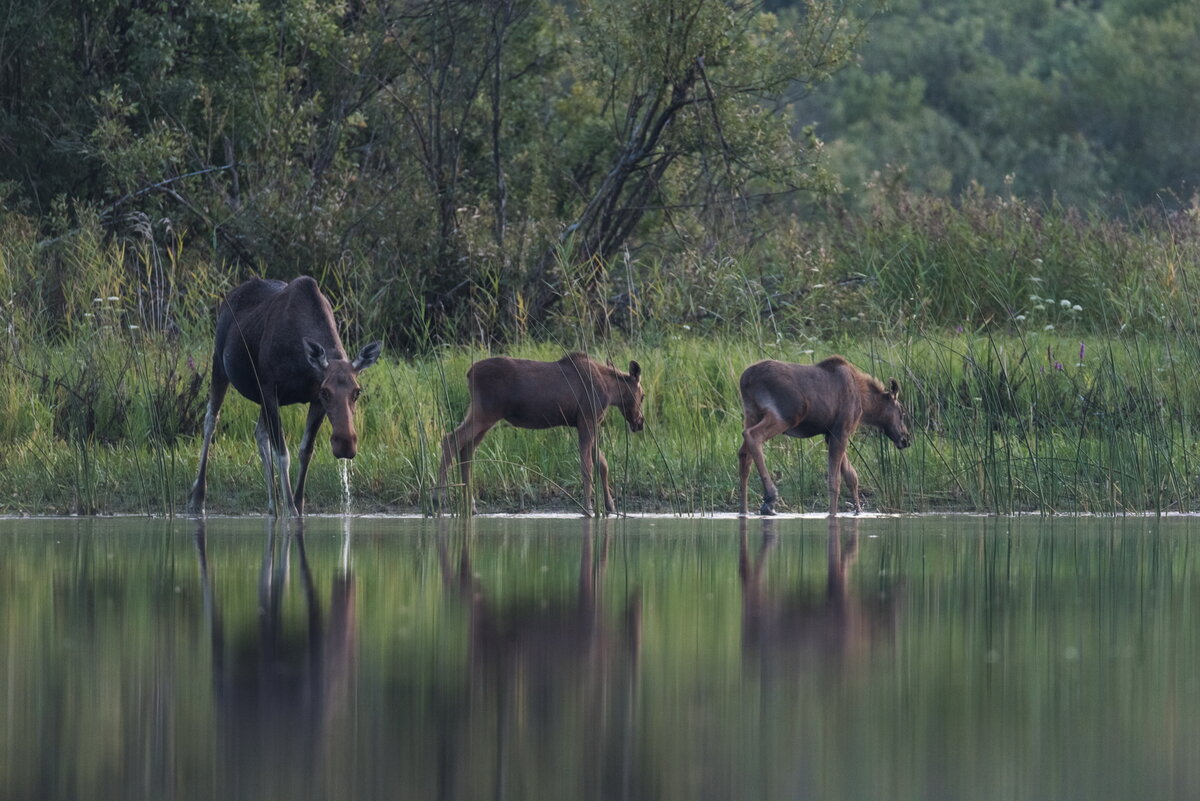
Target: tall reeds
{"type": "Point", "coordinates": [1049, 362]}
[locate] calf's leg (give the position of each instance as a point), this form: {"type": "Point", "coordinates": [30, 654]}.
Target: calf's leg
{"type": "Point", "coordinates": [610, 505]}
{"type": "Point", "coordinates": [587, 446]}
{"type": "Point", "coordinates": [460, 444]}
{"type": "Point", "coordinates": [744, 461]}
{"type": "Point", "coordinates": [466, 458]}
{"type": "Point", "coordinates": [837, 456]}
{"type": "Point", "coordinates": [770, 425]}
{"type": "Point", "coordinates": [850, 476]}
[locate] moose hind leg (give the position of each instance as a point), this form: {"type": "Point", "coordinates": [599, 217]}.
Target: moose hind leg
{"type": "Point", "coordinates": [460, 445]}
{"type": "Point", "coordinates": [466, 462]}
{"type": "Point", "coordinates": [220, 385]}
{"type": "Point", "coordinates": [744, 461]}
{"type": "Point", "coordinates": [753, 437]}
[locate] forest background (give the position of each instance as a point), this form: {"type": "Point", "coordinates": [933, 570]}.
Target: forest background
{"type": "Point", "coordinates": [994, 202]}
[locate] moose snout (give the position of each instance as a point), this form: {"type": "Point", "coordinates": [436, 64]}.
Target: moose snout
{"type": "Point", "coordinates": [636, 425]}
{"type": "Point", "coordinates": [903, 441]}
{"type": "Point", "coordinates": [344, 446]}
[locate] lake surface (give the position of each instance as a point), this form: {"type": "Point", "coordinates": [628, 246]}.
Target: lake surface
{"type": "Point", "coordinates": [538, 658]}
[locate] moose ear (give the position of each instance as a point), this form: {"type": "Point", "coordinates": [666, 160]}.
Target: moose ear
{"type": "Point", "coordinates": [894, 388]}
{"type": "Point", "coordinates": [316, 354]}
{"type": "Point", "coordinates": [635, 370]}
{"type": "Point", "coordinates": [368, 355]}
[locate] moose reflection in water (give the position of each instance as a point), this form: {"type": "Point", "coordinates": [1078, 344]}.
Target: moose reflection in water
{"type": "Point", "coordinates": [797, 629]}
{"type": "Point", "coordinates": [547, 673]}
{"type": "Point", "coordinates": [279, 687]}
{"type": "Point", "coordinates": [574, 391]}
{"type": "Point", "coordinates": [278, 344]}
{"type": "Point", "coordinates": [803, 400]}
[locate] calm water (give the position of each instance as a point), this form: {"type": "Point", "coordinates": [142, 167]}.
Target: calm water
{"type": "Point", "coordinates": [928, 658]}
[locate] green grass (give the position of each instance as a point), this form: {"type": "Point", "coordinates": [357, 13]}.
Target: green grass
{"type": "Point", "coordinates": [1049, 361]}
{"type": "Point", "coordinates": [1002, 423]}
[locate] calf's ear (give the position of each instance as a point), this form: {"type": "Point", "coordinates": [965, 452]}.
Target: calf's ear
{"type": "Point", "coordinates": [894, 387]}
{"type": "Point", "coordinates": [635, 370]}
{"type": "Point", "coordinates": [315, 354]}
{"type": "Point", "coordinates": [368, 355]}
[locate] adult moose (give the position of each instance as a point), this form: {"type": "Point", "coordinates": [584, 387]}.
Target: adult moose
{"type": "Point", "coordinates": [277, 343]}
{"type": "Point", "coordinates": [832, 398]}
{"type": "Point", "coordinates": [574, 391]}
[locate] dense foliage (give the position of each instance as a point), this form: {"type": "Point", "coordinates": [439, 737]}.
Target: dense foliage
{"type": "Point", "coordinates": [1092, 103]}
{"type": "Point", "coordinates": [453, 164]}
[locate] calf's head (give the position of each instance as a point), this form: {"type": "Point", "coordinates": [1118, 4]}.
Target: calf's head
{"type": "Point", "coordinates": [631, 397]}
{"type": "Point", "coordinates": [890, 416]}
{"type": "Point", "coordinates": [339, 392]}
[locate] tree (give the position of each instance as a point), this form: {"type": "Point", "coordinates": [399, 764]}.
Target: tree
{"type": "Point", "coordinates": [692, 87]}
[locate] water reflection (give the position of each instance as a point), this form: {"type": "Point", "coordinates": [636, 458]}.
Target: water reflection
{"type": "Point", "coordinates": [794, 628]}
{"type": "Point", "coordinates": [990, 659]}
{"type": "Point", "coordinates": [552, 682]}
{"type": "Point", "coordinates": [280, 681]}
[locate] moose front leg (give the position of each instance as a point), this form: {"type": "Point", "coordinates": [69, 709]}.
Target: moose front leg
{"type": "Point", "coordinates": [850, 476]}
{"type": "Point", "coordinates": [316, 415]}
{"type": "Point", "coordinates": [262, 438]}
{"type": "Point", "coordinates": [273, 425]}
{"type": "Point", "coordinates": [610, 506]}
{"type": "Point", "coordinates": [837, 456]}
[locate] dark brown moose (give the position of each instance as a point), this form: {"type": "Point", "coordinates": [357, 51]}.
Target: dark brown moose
{"type": "Point", "coordinates": [832, 398]}
{"type": "Point", "coordinates": [277, 343]}
{"type": "Point", "coordinates": [573, 391]}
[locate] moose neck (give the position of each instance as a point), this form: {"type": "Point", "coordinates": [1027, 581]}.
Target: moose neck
{"type": "Point", "coordinates": [870, 393]}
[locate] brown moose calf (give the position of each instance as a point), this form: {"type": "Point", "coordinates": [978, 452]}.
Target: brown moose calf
{"type": "Point", "coordinates": [832, 398]}
{"type": "Point", "coordinates": [573, 391]}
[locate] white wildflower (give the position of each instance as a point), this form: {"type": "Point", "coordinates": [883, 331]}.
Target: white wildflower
{"type": "Point", "coordinates": [1048, 328]}
{"type": "Point", "coordinates": [1066, 304]}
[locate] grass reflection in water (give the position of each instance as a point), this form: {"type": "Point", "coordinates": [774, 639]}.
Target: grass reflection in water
{"type": "Point", "coordinates": [958, 657]}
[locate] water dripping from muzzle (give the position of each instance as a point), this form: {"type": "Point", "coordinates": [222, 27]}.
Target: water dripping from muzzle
{"type": "Point", "coordinates": [344, 470]}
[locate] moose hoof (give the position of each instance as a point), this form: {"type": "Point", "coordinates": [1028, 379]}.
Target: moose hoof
{"type": "Point", "coordinates": [767, 509]}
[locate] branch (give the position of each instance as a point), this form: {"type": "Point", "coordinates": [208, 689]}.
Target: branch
{"type": "Point", "coordinates": [160, 184]}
